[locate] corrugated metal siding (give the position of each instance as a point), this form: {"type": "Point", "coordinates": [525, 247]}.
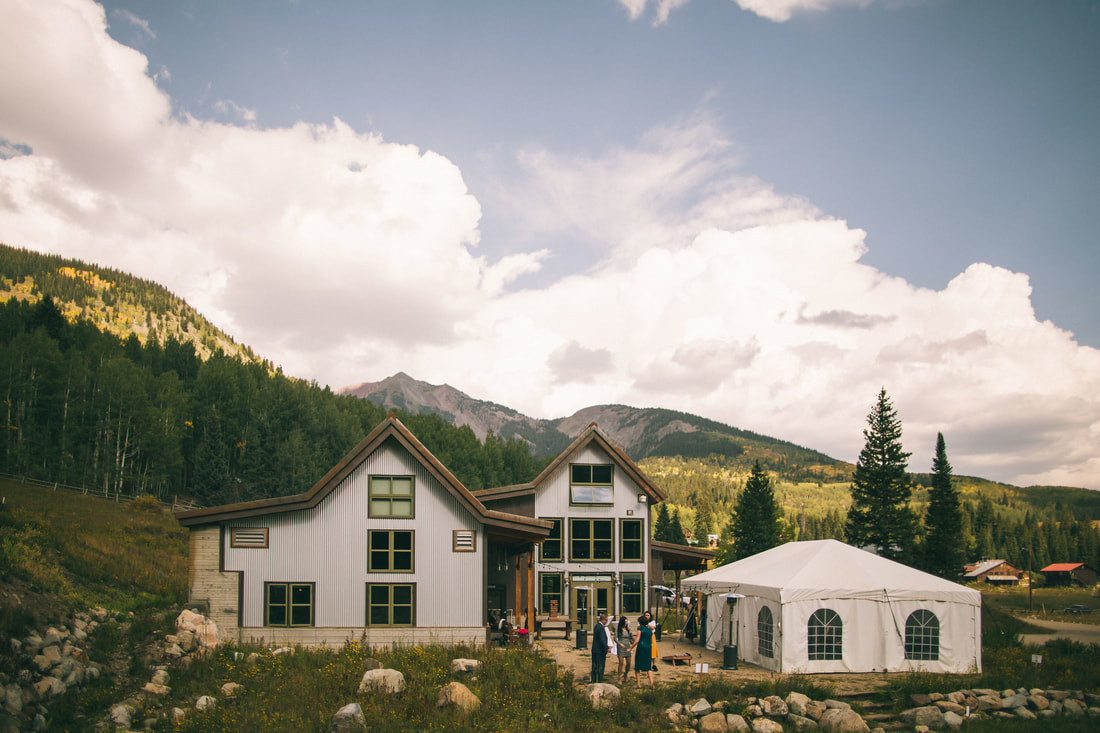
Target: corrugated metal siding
{"type": "Point", "coordinates": [553, 501]}
{"type": "Point", "coordinates": [327, 545]}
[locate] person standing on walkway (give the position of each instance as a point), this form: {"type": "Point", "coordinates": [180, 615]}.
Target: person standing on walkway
{"type": "Point", "coordinates": [601, 642]}
{"type": "Point", "coordinates": [643, 650]}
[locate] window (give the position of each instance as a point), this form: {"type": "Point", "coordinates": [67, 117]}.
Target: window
{"type": "Point", "coordinates": [765, 633]}
{"type": "Point", "coordinates": [389, 551]}
{"type": "Point", "coordinates": [551, 546]}
{"type": "Point", "coordinates": [590, 483]}
{"type": "Point", "coordinates": [391, 604]}
{"type": "Point", "coordinates": [463, 540]}
{"type": "Point", "coordinates": [630, 547]}
{"type": "Point", "coordinates": [922, 636]}
{"type": "Point", "coordinates": [591, 539]}
{"type": "Point", "coordinates": [288, 604]}
{"type": "Point", "coordinates": [391, 496]}
{"type": "Point", "coordinates": [248, 537]}
{"type": "Point", "coordinates": [826, 633]}
{"type": "Point", "coordinates": [549, 590]}
{"type": "Point", "coordinates": [632, 592]}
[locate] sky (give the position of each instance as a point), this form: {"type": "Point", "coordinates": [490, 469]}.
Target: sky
{"type": "Point", "coordinates": [758, 211]}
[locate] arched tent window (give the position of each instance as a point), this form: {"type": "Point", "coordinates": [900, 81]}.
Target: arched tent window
{"type": "Point", "coordinates": [765, 633]}
{"type": "Point", "coordinates": [922, 636]}
{"type": "Point", "coordinates": [825, 634]}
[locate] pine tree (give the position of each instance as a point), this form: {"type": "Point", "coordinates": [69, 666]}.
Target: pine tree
{"type": "Point", "coordinates": [675, 529]}
{"type": "Point", "coordinates": [661, 523]}
{"type": "Point", "coordinates": [756, 516]}
{"type": "Point", "coordinates": [880, 513]}
{"type": "Point", "coordinates": [701, 528]}
{"type": "Point", "coordinates": [943, 551]}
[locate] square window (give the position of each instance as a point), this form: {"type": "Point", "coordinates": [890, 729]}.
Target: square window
{"type": "Point", "coordinates": [389, 551]}
{"type": "Point", "coordinates": [591, 483]}
{"type": "Point", "coordinates": [391, 604]}
{"type": "Point", "coordinates": [288, 604]}
{"type": "Point", "coordinates": [391, 497]}
{"type": "Point", "coordinates": [591, 539]}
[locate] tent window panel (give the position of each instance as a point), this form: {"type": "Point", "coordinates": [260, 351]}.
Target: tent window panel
{"type": "Point", "coordinates": [826, 635]}
{"type": "Point", "coordinates": [922, 636]}
{"type": "Point", "coordinates": [765, 633]}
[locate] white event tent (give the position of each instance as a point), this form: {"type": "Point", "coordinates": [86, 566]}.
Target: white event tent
{"type": "Point", "coordinates": [825, 606]}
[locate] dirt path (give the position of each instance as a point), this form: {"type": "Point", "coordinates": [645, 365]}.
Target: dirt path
{"type": "Point", "coordinates": [1085, 633]}
{"type": "Point", "coordinates": [579, 661]}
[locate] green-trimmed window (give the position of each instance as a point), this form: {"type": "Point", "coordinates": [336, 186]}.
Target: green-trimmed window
{"type": "Point", "coordinates": [633, 591]}
{"type": "Point", "coordinates": [591, 483]}
{"type": "Point", "coordinates": [551, 546]}
{"type": "Point", "coordinates": [391, 496]}
{"type": "Point", "coordinates": [550, 585]}
{"type": "Point", "coordinates": [591, 539]}
{"type": "Point", "coordinates": [631, 533]}
{"type": "Point", "coordinates": [389, 551]}
{"type": "Point", "coordinates": [391, 604]}
{"type": "Point", "coordinates": [288, 604]}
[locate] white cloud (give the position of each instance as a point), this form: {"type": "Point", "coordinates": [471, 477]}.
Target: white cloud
{"type": "Point", "coordinates": [343, 257]}
{"type": "Point", "coordinates": [777, 10]}
{"type": "Point", "coordinates": [142, 31]}
{"type": "Point", "coordinates": [235, 111]}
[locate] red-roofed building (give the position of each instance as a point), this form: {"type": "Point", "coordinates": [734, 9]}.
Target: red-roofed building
{"type": "Point", "coordinates": [1070, 573]}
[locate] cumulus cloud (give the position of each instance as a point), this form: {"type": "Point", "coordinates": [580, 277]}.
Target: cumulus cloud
{"type": "Point", "coordinates": [345, 258]}
{"type": "Point", "coordinates": [776, 10]}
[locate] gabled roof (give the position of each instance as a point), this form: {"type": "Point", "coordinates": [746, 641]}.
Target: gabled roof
{"type": "Point", "coordinates": [984, 567]}
{"type": "Point", "coordinates": [591, 434]}
{"type": "Point", "coordinates": [1062, 567]}
{"type": "Point", "coordinates": [500, 524]}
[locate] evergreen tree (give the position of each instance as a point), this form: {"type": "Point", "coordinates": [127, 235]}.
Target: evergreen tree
{"type": "Point", "coordinates": [662, 523]}
{"type": "Point", "coordinates": [702, 526]}
{"type": "Point", "coordinates": [943, 551]}
{"type": "Point", "coordinates": [880, 513]}
{"type": "Point", "coordinates": [675, 529]}
{"type": "Point", "coordinates": [755, 523]}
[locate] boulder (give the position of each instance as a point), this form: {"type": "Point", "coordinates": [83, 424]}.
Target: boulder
{"type": "Point", "coordinates": [989, 702]}
{"type": "Point", "coordinates": [842, 720]}
{"type": "Point", "coordinates": [602, 695]}
{"type": "Point", "coordinates": [52, 687]}
{"type": "Point", "coordinates": [387, 680]}
{"type": "Point", "coordinates": [281, 651]}
{"type": "Point", "coordinates": [1058, 695]}
{"type": "Point", "coordinates": [774, 707]}
{"type": "Point", "coordinates": [796, 703]}
{"type": "Point", "coordinates": [1074, 708]}
{"type": "Point", "coordinates": [1024, 713]}
{"type": "Point", "coordinates": [929, 716]}
{"type": "Point", "coordinates": [464, 665]}
{"type": "Point", "coordinates": [348, 718]}
{"type": "Point", "coordinates": [176, 716]}
{"type": "Point", "coordinates": [952, 719]}
{"type": "Point", "coordinates": [173, 651]}
{"type": "Point", "coordinates": [457, 695]}
{"type": "Point", "coordinates": [205, 703]}
{"type": "Point", "coordinates": [736, 724]}
{"type": "Point", "coordinates": [1038, 701]}
{"type": "Point", "coordinates": [160, 676]}
{"type": "Point", "coordinates": [205, 631]}
{"type": "Point", "coordinates": [815, 709]}
{"type": "Point", "coordinates": [122, 715]}
{"type": "Point", "coordinates": [700, 707]}
{"type": "Point", "coordinates": [1013, 701]}
{"type": "Point", "coordinates": [800, 723]}
{"type": "Point", "coordinates": [232, 689]}
{"type": "Point", "coordinates": [950, 707]}
{"type": "Point", "coordinates": [713, 723]}
{"type": "Point", "coordinates": [154, 689]}
{"type": "Point", "coordinates": [837, 704]}
{"type": "Point", "coordinates": [766, 725]}
{"type": "Point", "coordinates": [920, 700]}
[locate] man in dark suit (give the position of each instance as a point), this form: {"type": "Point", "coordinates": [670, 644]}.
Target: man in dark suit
{"type": "Point", "coordinates": [600, 645]}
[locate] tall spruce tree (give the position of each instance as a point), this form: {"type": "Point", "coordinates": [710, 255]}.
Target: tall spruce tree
{"type": "Point", "coordinates": [675, 529]}
{"type": "Point", "coordinates": [943, 549]}
{"type": "Point", "coordinates": [880, 513]}
{"type": "Point", "coordinates": [754, 525]}
{"type": "Point", "coordinates": [661, 523]}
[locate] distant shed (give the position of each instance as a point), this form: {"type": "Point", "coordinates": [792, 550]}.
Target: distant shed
{"type": "Point", "coordinates": [1070, 573]}
{"type": "Point", "coordinates": [994, 572]}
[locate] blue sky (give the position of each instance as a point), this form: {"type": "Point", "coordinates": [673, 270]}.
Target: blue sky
{"type": "Point", "coordinates": [756, 211]}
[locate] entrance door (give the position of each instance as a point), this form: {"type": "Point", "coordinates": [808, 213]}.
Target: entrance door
{"type": "Point", "coordinates": [592, 599]}
{"type": "Point", "coordinates": [581, 610]}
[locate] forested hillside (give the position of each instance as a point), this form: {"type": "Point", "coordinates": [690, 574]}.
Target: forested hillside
{"type": "Point", "coordinates": [84, 407]}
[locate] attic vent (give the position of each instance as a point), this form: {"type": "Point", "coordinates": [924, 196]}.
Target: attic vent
{"type": "Point", "coordinates": [464, 540]}
{"type": "Point", "coordinates": [248, 537]}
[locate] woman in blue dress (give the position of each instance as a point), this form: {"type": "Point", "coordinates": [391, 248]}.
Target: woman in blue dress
{"type": "Point", "coordinates": [643, 651]}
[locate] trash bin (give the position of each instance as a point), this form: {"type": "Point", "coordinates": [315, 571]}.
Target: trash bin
{"type": "Point", "coordinates": [582, 639]}
{"type": "Point", "coordinates": [729, 656]}
{"type": "Point", "coordinates": [657, 633]}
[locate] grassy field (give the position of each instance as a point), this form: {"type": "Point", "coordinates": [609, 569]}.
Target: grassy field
{"type": "Point", "coordinates": [1046, 603]}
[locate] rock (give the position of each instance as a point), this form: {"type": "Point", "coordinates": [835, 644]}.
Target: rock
{"type": "Point", "coordinates": [959, 698]}
{"type": "Point", "coordinates": [1048, 713]}
{"type": "Point", "coordinates": [774, 707]}
{"type": "Point", "coordinates": [232, 689]}
{"type": "Point", "coordinates": [154, 689]}
{"type": "Point", "coordinates": [187, 640]}
{"type": "Point", "coordinates": [173, 651]}
{"type": "Point", "coordinates": [979, 691]}
{"type": "Point", "coordinates": [737, 724]}
{"type": "Point", "coordinates": [766, 725]}
{"type": "Point", "coordinates": [1055, 707]}
{"type": "Point", "coordinates": [1074, 708]}
{"type": "Point", "coordinates": [837, 704]}
{"type": "Point", "coordinates": [989, 702]}
{"type": "Point", "coordinates": [251, 659]}
{"type": "Point", "coordinates": [699, 708]}
{"type": "Point", "coordinates": [920, 700]}
{"type": "Point", "coordinates": [936, 696]}
{"type": "Point", "coordinates": [842, 720]}
{"type": "Point", "coordinates": [801, 723]}
{"type": "Point", "coordinates": [121, 714]}
{"type": "Point", "coordinates": [952, 719]}
{"type": "Point", "coordinates": [602, 695]}
{"type": "Point", "coordinates": [815, 709]}
{"type": "Point", "coordinates": [1024, 713]}
{"type": "Point", "coordinates": [176, 716]}
{"type": "Point", "coordinates": [205, 703]}
{"type": "Point", "coordinates": [387, 680]}
{"type": "Point", "coordinates": [721, 706]}
{"type": "Point", "coordinates": [1010, 702]}
{"type": "Point", "coordinates": [53, 636]}
{"type": "Point", "coordinates": [950, 707]}
{"type": "Point", "coordinates": [464, 665]}
{"type": "Point", "coordinates": [41, 663]}
{"type": "Point", "coordinates": [675, 708]}
{"type": "Point", "coordinates": [205, 631]}
{"type": "Point", "coordinates": [52, 687]}
{"type": "Point", "coordinates": [160, 676]}
{"type": "Point", "coordinates": [1058, 695]}
{"type": "Point", "coordinates": [928, 715]}
{"type": "Point", "coordinates": [713, 723]}
{"type": "Point", "coordinates": [281, 651]}
{"type": "Point", "coordinates": [796, 703]}
{"type": "Point", "coordinates": [457, 695]}
{"type": "Point", "coordinates": [1007, 693]}
{"type": "Point", "coordinates": [753, 711]}
{"type": "Point", "coordinates": [13, 698]}
{"type": "Point", "coordinates": [348, 718]}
